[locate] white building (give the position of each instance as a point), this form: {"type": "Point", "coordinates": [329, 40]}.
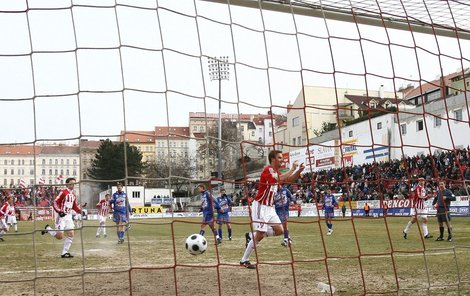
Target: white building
{"type": "Point", "coordinates": [444, 126]}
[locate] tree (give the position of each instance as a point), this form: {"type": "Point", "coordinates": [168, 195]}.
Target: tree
{"type": "Point", "coordinates": [182, 169]}
{"type": "Point", "coordinates": [109, 163]}
{"type": "Point", "coordinates": [230, 150]}
{"type": "Point", "coordinates": [325, 127]}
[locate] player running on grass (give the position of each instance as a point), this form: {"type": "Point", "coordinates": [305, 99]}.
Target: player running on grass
{"type": "Point", "coordinates": [121, 211]}
{"type": "Point", "coordinates": [418, 209]}
{"type": "Point", "coordinates": [329, 204]}
{"type": "Point", "coordinates": [222, 206]}
{"type": "Point", "coordinates": [263, 215]}
{"type": "Point", "coordinates": [63, 205]}
{"type": "Point", "coordinates": [103, 211]}
{"type": "Point", "coordinates": [282, 201]}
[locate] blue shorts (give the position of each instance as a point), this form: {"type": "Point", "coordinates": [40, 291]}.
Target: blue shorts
{"type": "Point", "coordinates": [329, 214]}
{"type": "Point", "coordinates": [207, 218]}
{"type": "Point", "coordinates": [119, 217]}
{"type": "Point", "coordinates": [283, 214]}
{"type": "Point", "coordinates": [223, 218]}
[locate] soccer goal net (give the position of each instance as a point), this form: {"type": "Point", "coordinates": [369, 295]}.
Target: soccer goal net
{"type": "Point", "coordinates": [162, 96]}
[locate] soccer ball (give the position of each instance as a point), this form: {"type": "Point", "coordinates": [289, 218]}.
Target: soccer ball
{"type": "Point", "coordinates": [196, 244]}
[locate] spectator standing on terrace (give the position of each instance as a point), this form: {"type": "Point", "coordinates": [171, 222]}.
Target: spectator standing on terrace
{"type": "Point", "coordinates": [366, 210]}
{"type": "Point", "coordinates": [442, 203]}
{"type": "Point", "coordinates": [418, 209]}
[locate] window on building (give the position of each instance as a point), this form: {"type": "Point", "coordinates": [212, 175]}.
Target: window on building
{"type": "Point", "coordinates": [62, 171]}
{"type": "Point", "coordinates": [56, 171]}
{"type": "Point", "coordinates": [350, 134]}
{"type": "Point", "coordinates": [5, 162]}
{"type": "Point", "coordinates": [135, 194]}
{"type": "Point", "coordinates": [201, 128]}
{"type": "Point", "coordinates": [31, 172]}
{"type": "Point", "coordinates": [19, 172]}
{"type": "Point", "coordinates": [379, 125]}
{"type": "Point", "coordinates": [62, 161]}
{"type": "Point", "coordinates": [12, 161]}
{"type": "Point", "coordinates": [194, 128]}
{"type": "Point", "coordinates": [74, 161]}
{"type": "Point", "coordinates": [5, 172]}
{"type": "Point", "coordinates": [43, 161]}
{"type": "Point", "coordinates": [50, 172]}
{"type": "Point", "coordinates": [293, 141]}
{"type": "Point", "coordinates": [50, 182]}
{"type": "Point", "coordinates": [12, 171]}
{"type": "Point", "coordinates": [68, 161]}
{"type": "Point", "coordinates": [50, 161]}
{"type": "Point", "coordinates": [295, 121]}
{"type": "Point", "coordinates": [74, 172]}
{"type": "Point", "coordinates": [5, 182]}
{"type": "Point", "coordinates": [260, 130]}
{"type": "Point", "coordinates": [43, 172]}
{"type": "Point", "coordinates": [299, 141]}
{"type": "Point", "coordinates": [242, 128]}
{"type": "Point", "coordinates": [253, 133]}
{"type": "Point", "coordinates": [458, 115]}
{"type": "Point", "coordinates": [56, 161]}
{"type": "Point", "coordinates": [403, 129]}
{"type": "Point", "coordinates": [22, 161]}
{"type": "Point", "coordinates": [270, 124]}
{"type": "Point", "coordinates": [419, 125]}
{"type": "Point", "coordinates": [31, 161]}
{"type": "Point", "coordinates": [67, 172]}
{"type": "Point", "coordinates": [437, 121]}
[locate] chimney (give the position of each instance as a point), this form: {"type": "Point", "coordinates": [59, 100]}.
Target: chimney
{"type": "Point", "coordinates": [381, 91]}
{"type": "Point", "coordinates": [289, 107]}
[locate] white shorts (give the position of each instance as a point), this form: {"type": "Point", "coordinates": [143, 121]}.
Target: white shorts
{"type": "Point", "coordinates": [64, 223]}
{"type": "Point", "coordinates": [11, 219]}
{"type": "Point", "coordinates": [420, 213]}
{"type": "Point", "coordinates": [102, 219]}
{"type": "Point", "coordinates": [3, 224]}
{"type": "Point", "coordinates": [262, 215]}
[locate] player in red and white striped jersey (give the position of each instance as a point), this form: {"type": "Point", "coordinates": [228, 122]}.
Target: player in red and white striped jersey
{"type": "Point", "coordinates": [4, 209]}
{"type": "Point", "coordinates": [11, 216]}
{"type": "Point", "coordinates": [64, 204]}
{"type": "Point", "coordinates": [103, 211]}
{"type": "Point", "coordinates": [263, 214]}
{"type": "Point", "coordinates": [418, 209]}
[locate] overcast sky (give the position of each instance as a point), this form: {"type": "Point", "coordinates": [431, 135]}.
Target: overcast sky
{"type": "Point", "coordinates": [94, 71]}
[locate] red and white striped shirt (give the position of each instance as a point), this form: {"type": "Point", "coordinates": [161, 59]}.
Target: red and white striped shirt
{"type": "Point", "coordinates": [268, 186]}
{"type": "Point", "coordinates": [11, 210]}
{"type": "Point", "coordinates": [419, 197]}
{"type": "Point", "coordinates": [103, 207]}
{"type": "Point", "coordinates": [4, 210]}
{"type": "Point", "coordinates": [65, 202]}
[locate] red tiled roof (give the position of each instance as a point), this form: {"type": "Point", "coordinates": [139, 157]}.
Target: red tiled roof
{"type": "Point", "coordinates": [222, 115]}
{"type": "Point", "coordinates": [138, 136]}
{"type": "Point", "coordinates": [60, 149]}
{"type": "Point", "coordinates": [20, 150]}
{"type": "Point", "coordinates": [363, 101]}
{"type": "Point", "coordinates": [432, 85]}
{"type": "Point", "coordinates": [173, 132]}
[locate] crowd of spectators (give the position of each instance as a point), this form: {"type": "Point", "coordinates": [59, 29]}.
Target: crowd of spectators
{"type": "Point", "coordinates": [42, 196]}
{"type": "Point", "coordinates": [384, 180]}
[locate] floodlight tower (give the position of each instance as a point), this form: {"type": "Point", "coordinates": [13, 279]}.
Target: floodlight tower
{"type": "Point", "coordinates": [219, 69]}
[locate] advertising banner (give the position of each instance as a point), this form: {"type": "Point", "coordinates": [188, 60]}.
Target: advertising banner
{"type": "Point", "coordinates": [35, 213]}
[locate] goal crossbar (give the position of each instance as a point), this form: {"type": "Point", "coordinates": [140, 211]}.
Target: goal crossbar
{"type": "Point", "coordinates": [331, 13]}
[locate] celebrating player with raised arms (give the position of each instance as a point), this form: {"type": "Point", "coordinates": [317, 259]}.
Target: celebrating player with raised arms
{"type": "Point", "coordinates": [329, 204]}
{"type": "Point", "coordinates": [263, 215]}
{"type": "Point", "coordinates": [63, 205]}
{"type": "Point", "coordinates": [122, 210]}
{"type": "Point", "coordinates": [222, 206]}
{"type": "Point", "coordinates": [207, 208]}
{"type": "Point", "coordinates": [103, 211]}
{"type": "Point", "coordinates": [282, 201]}
{"type": "Point", "coordinates": [418, 209]}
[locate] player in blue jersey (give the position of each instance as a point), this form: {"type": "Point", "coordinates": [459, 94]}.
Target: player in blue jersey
{"type": "Point", "coordinates": [207, 209]}
{"type": "Point", "coordinates": [282, 201]}
{"type": "Point", "coordinates": [329, 204]}
{"type": "Point", "coordinates": [222, 206]}
{"type": "Point", "coordinates": [121, 211]}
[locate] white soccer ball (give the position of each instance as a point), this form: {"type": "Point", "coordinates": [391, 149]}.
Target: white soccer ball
{"type": "Point", "coordinates": [196, 244]}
